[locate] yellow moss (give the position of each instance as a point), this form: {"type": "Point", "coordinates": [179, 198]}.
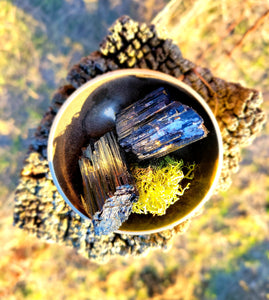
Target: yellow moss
{"type": "Point", "coordinates": [158, 186]}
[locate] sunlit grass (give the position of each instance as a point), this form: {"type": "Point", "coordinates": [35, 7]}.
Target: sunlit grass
{"type": "Point", "coordinates": [207, 30]}
{"type": "Point", "coordinates": [19, 59]}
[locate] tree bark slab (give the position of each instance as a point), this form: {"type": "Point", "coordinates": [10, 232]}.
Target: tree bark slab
{"type": "Point", "coordinates": [40, 210]}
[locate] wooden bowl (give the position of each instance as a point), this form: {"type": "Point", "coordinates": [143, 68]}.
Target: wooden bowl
{"type": "Point", "coordinates": [85, 115]}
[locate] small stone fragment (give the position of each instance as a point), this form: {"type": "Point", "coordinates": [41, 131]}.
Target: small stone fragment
{"type": "Point", "coordinates": [115, 211]}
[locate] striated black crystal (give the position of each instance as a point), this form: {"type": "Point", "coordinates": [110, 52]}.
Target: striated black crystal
{"type": "Point", "coordinates": [115, 211]}
{"type": "Point", "coordinates": [103, 169]}
{"type": "Point", "coordinates": [156, 125]}
{"type": "Point", "coordinates": [109, 192]}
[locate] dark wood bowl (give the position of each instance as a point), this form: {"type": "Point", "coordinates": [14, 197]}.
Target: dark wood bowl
{"type": "Point", "coordinates": [84, 116]}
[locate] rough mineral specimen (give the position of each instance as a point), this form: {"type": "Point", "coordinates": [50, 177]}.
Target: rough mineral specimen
{"type": "Point", "coordinates": [103, 170]}
{"type": "Point", "coordinates": [115, 211]}
{"type": "Point", "coordinates": [156, 125]}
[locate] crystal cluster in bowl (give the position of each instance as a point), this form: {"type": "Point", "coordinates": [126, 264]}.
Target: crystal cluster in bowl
{"type": "Point", "coordinates": [145, 131]}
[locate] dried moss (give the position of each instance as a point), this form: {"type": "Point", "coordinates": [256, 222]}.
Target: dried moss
{"type": "Point", "coordinates": [159, 186]}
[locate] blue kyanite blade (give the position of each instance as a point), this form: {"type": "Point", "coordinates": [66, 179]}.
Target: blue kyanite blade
{"type": "Point", "coordinates": [155, 126]}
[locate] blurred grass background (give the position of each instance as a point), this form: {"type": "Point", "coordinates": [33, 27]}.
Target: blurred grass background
{"type": "Point", "coordinates": [225, 253]}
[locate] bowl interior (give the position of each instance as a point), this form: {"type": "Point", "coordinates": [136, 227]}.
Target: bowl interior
{"type": "Point", "coordinates": [86, 116]}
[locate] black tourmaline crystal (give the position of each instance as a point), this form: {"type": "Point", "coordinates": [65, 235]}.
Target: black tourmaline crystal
{"type": "Point", "coordinates": [156, 125]}
{"type": "Point", "coordinates": [108, 187]}
{"type": "Point", "coordinates": [115, 211]}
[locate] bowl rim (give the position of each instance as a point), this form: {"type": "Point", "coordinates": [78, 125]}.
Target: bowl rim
{"type": "Point", "coordinates": [141, 73]}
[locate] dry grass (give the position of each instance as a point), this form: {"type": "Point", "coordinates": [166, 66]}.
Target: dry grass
{"type": "Point", "coordinates": [207, 33]}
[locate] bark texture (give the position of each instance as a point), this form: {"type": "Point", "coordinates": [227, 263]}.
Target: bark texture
{"type": "Point", "coordinates": [39, 208]}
